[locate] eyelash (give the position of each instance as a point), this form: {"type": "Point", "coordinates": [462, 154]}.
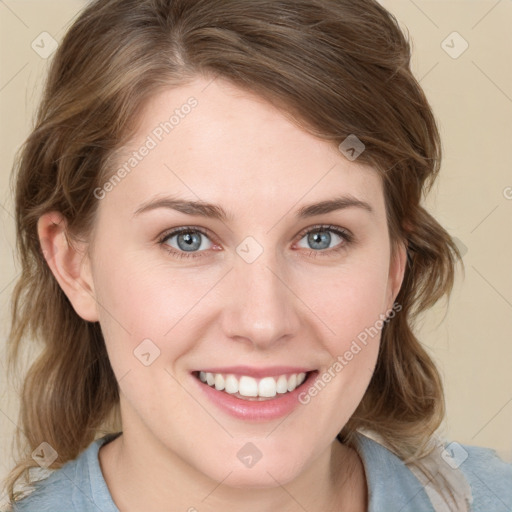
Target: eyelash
{"type": "Point", "coordinates": [343, 233]}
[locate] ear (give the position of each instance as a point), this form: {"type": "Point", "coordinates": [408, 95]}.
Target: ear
{"type": "Point", "coordinates": [69, 264]}
{"type": "Point", "coordinates": [396, 272]}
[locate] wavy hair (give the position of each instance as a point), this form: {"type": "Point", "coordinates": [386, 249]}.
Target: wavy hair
{"type": "Point", "coordinates": [336, 68]}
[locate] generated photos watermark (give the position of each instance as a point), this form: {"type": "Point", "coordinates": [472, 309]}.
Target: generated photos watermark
{"type": "Point", "coordinates": [152, 140]}
{"type": "Point", "coordinates": [344, 359]}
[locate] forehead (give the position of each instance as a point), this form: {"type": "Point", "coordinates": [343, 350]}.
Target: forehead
{"type": "Point", "coordinates": [212, 141]}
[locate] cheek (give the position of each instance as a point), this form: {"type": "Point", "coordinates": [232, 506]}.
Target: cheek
{"type": "Point", "coordinates": [147, 321]}
{"type": "Point", "coordinates": [140, 301]}
{"type": "Point", "coordinates": [354, 320]}
{"type": "Point", "coordinates": [351, 304]}
{"type": "Point", "coordinates": [348, 300]}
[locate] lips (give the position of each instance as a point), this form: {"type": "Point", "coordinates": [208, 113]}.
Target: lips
{"type": "Point", "coordinates": [254, 407]}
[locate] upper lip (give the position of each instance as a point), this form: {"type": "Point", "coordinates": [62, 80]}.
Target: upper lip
{"type": "Point", "coordinates": [251, 371]}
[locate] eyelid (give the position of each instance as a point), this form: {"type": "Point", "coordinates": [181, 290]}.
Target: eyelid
{"type": "Point", "coordinates": [326, 227]}
{"type": "Point", "coordinates": [184, 229]}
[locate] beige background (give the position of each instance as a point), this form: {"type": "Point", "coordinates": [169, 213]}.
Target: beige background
{"type": "Point", "coordinates": [472, 98]}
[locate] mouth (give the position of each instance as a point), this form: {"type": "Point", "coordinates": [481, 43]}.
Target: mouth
{"type": "Point", "coordinates": [252, 394]}
{"type": "Point", "coordinates": [249, 388]}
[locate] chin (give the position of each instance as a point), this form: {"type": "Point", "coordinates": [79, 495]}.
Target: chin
{"type": "Point", "coordinates": [264, 478]}
{"type": "Point", "coordinates": [262, 474]}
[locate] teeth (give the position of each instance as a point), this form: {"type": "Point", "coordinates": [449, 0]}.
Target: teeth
{"type": "Point", "coordinates": [282, 384]}
{"type": "Point", "coordinates": [231, 384]}
{"type": "Point", "coordinates": [219, 382]}
{"type": "Point", "coordinates": [267, 387]}
{"type": "Point", "coordinates": [292, 382]}
{"type": "Point", "coordinates": [248, 386]}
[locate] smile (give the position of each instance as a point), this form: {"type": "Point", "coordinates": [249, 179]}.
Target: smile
{"type": "Point", "coordinates": [254, 395]}
{"type": "Point", "coordinates": [246, 387]}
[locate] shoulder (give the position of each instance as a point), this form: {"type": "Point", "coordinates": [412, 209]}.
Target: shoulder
{"type": "Point", "coordinates": [489, 477]}
{"type": "Point", "coordinates": [476, 475]}
{"type": "Point", "coordinates": [77, 485]}
{"type": "Point", "coordinates": [53, 493]}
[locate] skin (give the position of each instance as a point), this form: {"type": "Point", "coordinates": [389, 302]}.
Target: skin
{"type": "Point", "coordinates": [179, 450]}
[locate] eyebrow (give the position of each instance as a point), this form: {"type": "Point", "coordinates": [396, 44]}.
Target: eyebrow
{"type": "Point", "coordinates": [213, 211]}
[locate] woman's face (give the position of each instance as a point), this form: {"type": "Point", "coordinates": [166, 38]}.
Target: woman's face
{"type": "Point", "coordinates": [250, 295]}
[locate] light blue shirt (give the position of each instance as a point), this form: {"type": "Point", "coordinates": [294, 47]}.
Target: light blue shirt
{"type": "Point", "coordinates": [79, 486]}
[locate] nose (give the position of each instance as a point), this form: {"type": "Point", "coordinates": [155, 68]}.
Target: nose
{"type": "Point", "coordinates": [261, 308]}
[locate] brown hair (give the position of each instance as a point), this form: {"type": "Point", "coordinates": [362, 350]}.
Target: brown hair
{"type": "Point", "coordinates": [336, 67]}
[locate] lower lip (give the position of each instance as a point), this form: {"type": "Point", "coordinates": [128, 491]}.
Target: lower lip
{"type": "Point", "coordinates": [256, 410]}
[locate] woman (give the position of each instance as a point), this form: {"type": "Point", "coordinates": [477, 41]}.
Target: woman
{"type": "Point", "coordinates": [223, 251]}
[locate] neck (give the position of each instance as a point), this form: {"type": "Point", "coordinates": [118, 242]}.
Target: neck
{"type": "Point", "coordinates": [138, 479]}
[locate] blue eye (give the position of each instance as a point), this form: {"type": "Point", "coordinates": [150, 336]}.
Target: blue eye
{"type": "Point", "coordinates": [191, 241]}
{"type": "Point", "coordinates": [320, 238]}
